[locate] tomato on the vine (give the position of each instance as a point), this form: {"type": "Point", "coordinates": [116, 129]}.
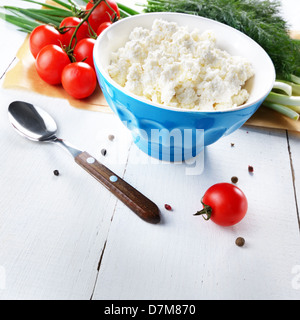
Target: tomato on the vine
{"type": "Point", "coordinates": [70, 24]}
{"type": "Point", "coordinates": [50, 63]}
{"type": "Point", "coordinates": [83, 51]}
{"type": "Point", "coordinates": [79, 80]}
{"type": "Point", "coordinates": [103, 13]}
{"type": "Point", "coordinates": [43, 35]}
{"type": "Point", "coordinates": [102, 27]}
{"type": "Point", "coordinates": [225, 204]}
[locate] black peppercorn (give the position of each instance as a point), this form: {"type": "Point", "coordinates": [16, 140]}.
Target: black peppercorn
{"type": "Point", "coordinates": [234, 179]}
{"type": "Point", "coordinates": [56, 172]}
{"type": "Point", "coordinates": [240, 242]}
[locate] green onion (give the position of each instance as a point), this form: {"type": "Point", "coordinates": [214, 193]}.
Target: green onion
{"type": "Point", "coordinates": [52, 12]}
{"type": "Point", "coordinates": [49, 6]}
{"type": "Point", "coordinates": [295, 108]}
{"type": "Point", "coordinates": [23, 23]}
{"type": "Point", "coordinates": [282, 109]}
{"type": "Point", "coordinates": [63, 4]}
{"type": "Point", "coordinates": [40, 16]}
{"type": "Point", "coordinates": [295, 87]}
{"type": "Point", "coordinates": [25, 29]}
{"type": "Point", "coordinates": [124, 14]}
{"type": "Point", "coordinates": [295, 79]}
{"type": "Point", "coordinates": [283, 86]}
{"type": "Point", "coordinates": [129, 11]}
{"type": "Point", "coordinates": [283, 99]}
{"type": "Point", "coordinates": [28, 19]}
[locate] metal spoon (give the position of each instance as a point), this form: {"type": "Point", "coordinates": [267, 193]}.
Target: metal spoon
{"type": "Point", "coordinates": [37, 125]}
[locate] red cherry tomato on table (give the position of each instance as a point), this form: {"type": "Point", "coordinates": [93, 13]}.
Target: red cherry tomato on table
{"type": "Point", "coordinates": [102, 27]}
{"type": "Point", "coordinates": [103, 13]}
{"type": "Point", "coordinates": [50, 63]}
{"type": "Point", "coordinates": [70, 23]}
{"type": "Point", "coordinates": [84, 51]}
{"type": "Point", "coordinates": [79, 80]}
{"type": "Point", "coordinates": [225, 204]}
{"type": "Point", "coordinates": [42, 36]}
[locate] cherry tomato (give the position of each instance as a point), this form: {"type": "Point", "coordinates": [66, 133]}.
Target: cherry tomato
{"type": "Point", "coordinates": [79, 80]}
{"type": "Point", "coordinates": [102, 27]}
{"type": "Point", "coordinates": [71, 23]}
{"type": "Point", "coordinates": [84, 51]}
{"type": "Point", "coordinates": [225, 204]}
{"type": "Point", "coordinates": [103, 13]}
{"type": "Point", "coordinates": [42, 36]}
{"type": "Point", "coordinates": [50, 63]}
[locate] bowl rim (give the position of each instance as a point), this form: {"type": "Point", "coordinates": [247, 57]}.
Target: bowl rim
{"type": "Point", "coordinates": [106, 76]}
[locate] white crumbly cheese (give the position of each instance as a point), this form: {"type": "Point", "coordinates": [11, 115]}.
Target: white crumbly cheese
{"type": "Point", "coordinates": [174, 67]}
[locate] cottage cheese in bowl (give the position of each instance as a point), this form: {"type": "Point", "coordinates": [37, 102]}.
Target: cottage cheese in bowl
{"type": "Point", "coordinates": [174, 67]}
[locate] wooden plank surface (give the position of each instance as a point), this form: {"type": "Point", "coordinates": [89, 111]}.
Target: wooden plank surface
{"type": "Point", "coordinates": [67, 237]}
{"type": "Point", "coordinates": [189, 258]}
{"type": "Point", "coordinates": [53, 229]}
{"type": "Point", "coordinates": [294, 150]}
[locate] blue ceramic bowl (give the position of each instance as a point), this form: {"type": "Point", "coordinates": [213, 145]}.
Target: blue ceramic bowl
{"type": "Point", "coordinates": [174, 134]}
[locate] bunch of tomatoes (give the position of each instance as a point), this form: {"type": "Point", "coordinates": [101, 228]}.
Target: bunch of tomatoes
{"type": "Point", "coordinates": [64, 55]}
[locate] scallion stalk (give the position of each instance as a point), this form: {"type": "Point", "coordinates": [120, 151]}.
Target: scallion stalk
{"type": "Point", "coordinates": [283, 86]}
{"type": "Point", "coordinates": [20, 22]}
{"type": "Point", "coordinates": [295, 87]}
{"type": "Point", "coordinates": [295, 108]}
{"type": "Point", "coordinates": [124, 14]}
{"type": "Point", "coordinates": [295, 79]}
{"type": "Point", "coordinates": [49, 6]}
{"type": "Point", "coordinates": [283, 99]}
{"type": "Point", "coordinates": [129, 11]}
{"type": "Point", "coordinates": [282, 109]}
{"type": "Point", "coordinates": [40, 16]}
{"type": "Point", "coordinates": [52, 12]}
{"type": "Point", "coordinates": [63, 4]}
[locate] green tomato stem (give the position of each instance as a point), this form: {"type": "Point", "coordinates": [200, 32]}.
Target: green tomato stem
{"type": "Point", "coordinates": [207, 210]}
{"type": "Point", "coordinates": [80, 24]}
{"type": "Point", "coordinates": [89, 12]}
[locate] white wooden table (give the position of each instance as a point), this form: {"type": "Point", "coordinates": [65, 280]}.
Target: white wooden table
{"type": "Point", "coordinates": [67, 237]}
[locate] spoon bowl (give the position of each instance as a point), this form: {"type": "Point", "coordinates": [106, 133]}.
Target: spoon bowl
{"type": "Point", "coordinates": [32, 122]}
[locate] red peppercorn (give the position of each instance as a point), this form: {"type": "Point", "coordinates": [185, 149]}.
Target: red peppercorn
{"type": "Point", "coordinates": [250, 169]}
{"type": "Point", "coordinates": [168, 207]}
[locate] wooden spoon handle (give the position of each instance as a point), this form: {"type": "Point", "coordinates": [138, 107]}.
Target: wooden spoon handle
{"type": "Point", "coordinates": [133, 199]}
